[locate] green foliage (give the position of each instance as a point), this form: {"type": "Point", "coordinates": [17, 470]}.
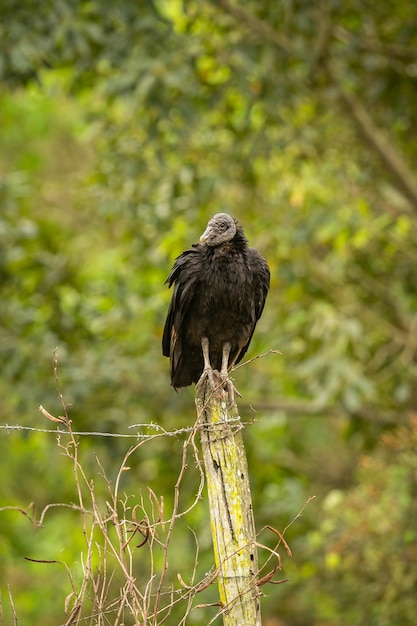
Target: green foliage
{"type": "Point", "coordinates": [124, 127]}
{"type": "Point", "coordinates": [368, 538]}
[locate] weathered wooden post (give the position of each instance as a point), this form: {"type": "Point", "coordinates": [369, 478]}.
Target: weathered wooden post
{"type": "Point", "coordinates": [231, 515]}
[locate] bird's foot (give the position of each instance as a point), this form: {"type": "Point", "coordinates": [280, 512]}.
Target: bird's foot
{"type": "Point", "coordinates": [228, 386]}
{"type": "Point", "coordinates": [208, 374]}
{"type": "Point", "coordinates": [219, 380]}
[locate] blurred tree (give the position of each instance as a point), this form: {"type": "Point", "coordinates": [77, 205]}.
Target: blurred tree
{"type": "Point", "coordinates": [124, 127]}
{"type": "Point", "coordinates": [368, 539]}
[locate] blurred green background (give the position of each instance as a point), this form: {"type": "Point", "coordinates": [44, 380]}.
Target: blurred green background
{"type": "Point", "coordinates": [124, 126]}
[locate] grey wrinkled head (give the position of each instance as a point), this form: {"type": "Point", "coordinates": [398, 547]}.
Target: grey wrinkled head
{"type": "Point", "coordinates": [220, 229]}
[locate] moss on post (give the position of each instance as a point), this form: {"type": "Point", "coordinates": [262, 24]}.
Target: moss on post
{"type": "Point", "coordinates": [231, 516]}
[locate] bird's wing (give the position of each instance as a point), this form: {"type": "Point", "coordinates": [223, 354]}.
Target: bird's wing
{"type": "Point", "coordinates": [261, 280]}
{"type": "Point", "coordinates": [184, 276]}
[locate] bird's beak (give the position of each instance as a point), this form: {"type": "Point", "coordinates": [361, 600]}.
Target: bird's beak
{"type": "Point", "coordinates": [205, 235]}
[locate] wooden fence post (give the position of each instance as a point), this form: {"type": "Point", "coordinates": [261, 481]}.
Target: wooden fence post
{"type": "Point", "coordinates": [231, 515]}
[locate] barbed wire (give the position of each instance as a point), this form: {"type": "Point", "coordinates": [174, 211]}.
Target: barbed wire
{"type": "Point", "coordinates": [59, 431]}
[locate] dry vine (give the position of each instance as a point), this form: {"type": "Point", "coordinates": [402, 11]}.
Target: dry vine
{"type": "Point", "coordinates": [124, 534]}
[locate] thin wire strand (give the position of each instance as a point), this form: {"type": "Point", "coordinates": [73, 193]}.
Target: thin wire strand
{"type": "Point", "coordinates": [58, 431]}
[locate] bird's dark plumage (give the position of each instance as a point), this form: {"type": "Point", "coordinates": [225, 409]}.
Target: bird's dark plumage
{"type": "Point", "coordinates": [220, 287]}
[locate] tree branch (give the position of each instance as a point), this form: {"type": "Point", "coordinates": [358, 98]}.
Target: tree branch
{"type": "Point", "coordinates": [379, 142]}
{"type": "Point", "coordinates": [389, 50]}
{"type": "Point", "coordinates": [298, 408]}
{"type": "Point", "coordinates": [255, 25]}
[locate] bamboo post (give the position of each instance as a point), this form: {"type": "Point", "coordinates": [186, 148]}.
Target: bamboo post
{"type": "Point", "coordinates": [230, 502]}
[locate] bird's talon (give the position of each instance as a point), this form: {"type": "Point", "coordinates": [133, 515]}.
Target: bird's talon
{"type": "Point", "coordinates": [231, 389]}
{"type": "Point", "coordinates": [208, 374]}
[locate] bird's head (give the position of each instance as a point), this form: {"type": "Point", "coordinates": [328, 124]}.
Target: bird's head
{"type": "Point", "coordinates": [220, 229]}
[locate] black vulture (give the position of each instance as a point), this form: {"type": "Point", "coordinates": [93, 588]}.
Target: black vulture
{"type": "Point", "coordinates": [220, 287]}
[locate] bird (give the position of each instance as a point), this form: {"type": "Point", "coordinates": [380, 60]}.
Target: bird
{"type": "Point", "coordinates": [220, 287]}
